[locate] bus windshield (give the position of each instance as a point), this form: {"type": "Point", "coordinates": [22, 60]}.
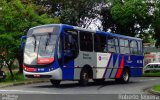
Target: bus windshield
{"type": "Point", "coordinates": [39, 48]}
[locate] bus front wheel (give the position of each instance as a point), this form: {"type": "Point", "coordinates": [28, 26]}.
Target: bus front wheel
{"type": "Point", "coordinates": [55, 82]}
{"type": "Point", "coordinates": [124, 77]}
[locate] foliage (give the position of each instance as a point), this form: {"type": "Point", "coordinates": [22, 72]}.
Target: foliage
{"type": "Point", "coordinates": [128, 17]}
{"type": "Point", "coordinates": [71, 12]}
{"type": "Point", "coordinates": [7, 49]}
{"type": "Point", "coordinates": [155, 24]}
{"type": "Point", "coordinates": [152, 74]}
{"type": "Point", "coordinates": [18, 77]}
{"type": "Point", "coordinates": [16, 18]}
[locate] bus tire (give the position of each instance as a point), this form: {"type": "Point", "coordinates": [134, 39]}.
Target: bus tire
{"type": "Point", "coordinates": [84, 77]}
{"type": "Point", "coordinates": [55, 83]}
{"type": "Point", "coordinates": [124, 77]}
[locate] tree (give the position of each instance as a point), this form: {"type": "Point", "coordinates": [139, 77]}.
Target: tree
{"type": "Point", "coordinates": [17, 18]}
{"type": "Point", "coordinates": [128, 17]}
{"type": "Point", "coordinates": [156, 22]}
{"type": "Point", "coordinates": [7, 51]}
{"type": "Point", "coordinates": [77, 13]}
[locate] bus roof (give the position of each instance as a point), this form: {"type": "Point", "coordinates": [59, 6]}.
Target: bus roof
{"type": "Point", "coordinates": [118, 35]}
{"type": "Point", "coordinates": [107, 33]}
{"type": "Point", "coordinates": [89, 30]}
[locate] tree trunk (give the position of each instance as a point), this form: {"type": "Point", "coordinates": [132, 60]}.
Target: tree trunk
{"type": "Point", "coordinates": [20, 61]}
{"type": "Point", "coordinates": [10, 70]}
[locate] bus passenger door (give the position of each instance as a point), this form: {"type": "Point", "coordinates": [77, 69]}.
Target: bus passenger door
{"type": "Point", "coordinates": [69, 54]}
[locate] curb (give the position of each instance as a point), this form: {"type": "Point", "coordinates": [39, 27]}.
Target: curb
{"type": "Point", "coordinates": [23, 83]}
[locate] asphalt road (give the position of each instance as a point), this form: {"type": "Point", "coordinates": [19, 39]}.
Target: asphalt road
{"type": "Point", "coordinates": [135, 86]}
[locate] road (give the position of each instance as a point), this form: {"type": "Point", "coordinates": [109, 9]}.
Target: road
{"type": "Point", "coordinates": [135, 86]}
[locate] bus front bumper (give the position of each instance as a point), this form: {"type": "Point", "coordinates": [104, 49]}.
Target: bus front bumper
{"type": "Point", "coordinates": [55, 74]}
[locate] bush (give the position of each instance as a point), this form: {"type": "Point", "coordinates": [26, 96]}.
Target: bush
{"type": "Point", "coordinates": [17, 77]}
{"type": "Point", "coordinates": [152, 74]}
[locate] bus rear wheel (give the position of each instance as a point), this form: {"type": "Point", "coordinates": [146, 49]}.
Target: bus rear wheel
{"type": "Point", "coordinates": [55, 82]}
{"type": "Point", "coordinates": [124, 77]}
{"type": "Point", "coordinates": [84, 77]}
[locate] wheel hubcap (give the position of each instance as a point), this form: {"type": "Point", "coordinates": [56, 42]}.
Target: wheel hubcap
{"type": "Point", "coordinates": [85, 76]}
{"type": "Point", "coordinates": [125, 76]}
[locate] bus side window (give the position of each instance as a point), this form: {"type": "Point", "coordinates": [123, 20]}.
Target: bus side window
{"type": "Point", "coordinates": [86, 41]}
{"type": "Point", "coordinates": [133, 47]}
{"type": "Point", "coordinates": [117, 45]}
{"type": "Point", "coordinates": [100, 43]}
{"type": "Point", "coordinates": [139, 47]}
{"type": "Point", "coordinates": [111, 44]}
{"type": "Point", "coordinates": [124, 46]}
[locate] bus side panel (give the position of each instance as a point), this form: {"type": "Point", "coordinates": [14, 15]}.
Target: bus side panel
{"type": "Point", "coordinates": [68, 71]}
{"type": "Point", "coordinates": [83, 59]}
{"type": "Point", "coordinates": [117, 59]}
{"type": "Point", "coordinates": [136, 72]}
{"type": "Point", "coordinates": [135, 63]}
{"type": "Point", "coordinates": [104, 63]}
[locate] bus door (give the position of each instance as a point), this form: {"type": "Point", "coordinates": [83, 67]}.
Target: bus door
{"type": "Point", "coordinates": [70, 52]}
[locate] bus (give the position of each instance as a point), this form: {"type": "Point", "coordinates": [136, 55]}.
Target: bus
{"type": "Point", "coordinates": [61, 52]}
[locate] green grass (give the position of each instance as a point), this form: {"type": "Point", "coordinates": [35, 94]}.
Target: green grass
{"type": "Point", "coordinates": [17, 78]}
{"type": "Point", "coordinates": [156, 88]}
{"type": "Point", "coordinates": [152, 74]}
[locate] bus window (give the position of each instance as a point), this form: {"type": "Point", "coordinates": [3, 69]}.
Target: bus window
{"type": "Point", "coordinates": [86, 41]}
{"type": "Point", "coordinates": [117, 45]}
{"type": "Point", "coordinates": [139, 47]}
{"type": "Point", "coordinates": [60, 48]}
{"type": "Point", "coordinates": [124, 47]}
{"type": "Point", "coordinates": [133, 47]}
{"type": "Point", "coordinates": [70, 44]}
{"type": "Point", "coordinates": [100, 43]}
{"type": "Point", "coordinates": [111, 44]}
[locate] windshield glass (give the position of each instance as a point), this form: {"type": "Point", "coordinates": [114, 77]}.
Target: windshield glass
{"type": "Point", "coordinates": [39, 49]}
{"type": "Point", "coordinates": [47, 46]}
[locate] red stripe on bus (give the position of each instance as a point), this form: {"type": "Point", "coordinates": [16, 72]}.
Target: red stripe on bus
{"type": "Point", "coordinates": [120, 69]}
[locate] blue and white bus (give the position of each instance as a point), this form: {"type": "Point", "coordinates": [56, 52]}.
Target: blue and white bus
{"type": "Point", "coordinates": [63, 52]}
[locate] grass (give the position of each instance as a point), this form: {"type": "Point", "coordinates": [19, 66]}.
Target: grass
{"type": "Point", "coordinates": [156, 88]}
{"type": "Point", "coordinates": [152, 74]}
{"type": "Point", "coordinates": [18, 79]}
